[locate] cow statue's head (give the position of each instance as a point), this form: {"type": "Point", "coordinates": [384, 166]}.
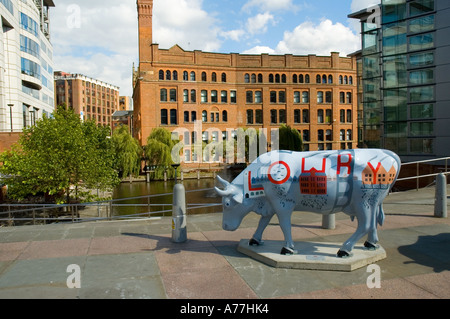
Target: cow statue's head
{"type": "Point", "coordinates": [234, 206]}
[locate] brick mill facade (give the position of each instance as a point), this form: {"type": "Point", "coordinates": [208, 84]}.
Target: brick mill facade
{"type": "Point", "coordinates": [173, 88]}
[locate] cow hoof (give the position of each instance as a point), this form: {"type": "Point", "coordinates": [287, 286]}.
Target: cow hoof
{"type": "Point", "coordinates": [371, 246]}
{"type": "Point", "coordinates": [343, 254]}
{"type": "Point", "coordinates": [287, 251]}
{"type": "Point", "coordinates": [254, 242]}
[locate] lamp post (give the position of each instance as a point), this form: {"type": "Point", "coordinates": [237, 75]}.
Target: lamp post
{"type": "Point", "coordinates": [10, 116]}
{"type": "Point", "coordinates": [175, 166]}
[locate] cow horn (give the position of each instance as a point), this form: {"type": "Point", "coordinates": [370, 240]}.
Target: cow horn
{"type": "Point", "coordinates": [223, 182]}
{"type": "Point", "coordinates": [223, 193]}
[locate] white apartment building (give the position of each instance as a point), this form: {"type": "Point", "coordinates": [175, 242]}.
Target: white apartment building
{"type": "Point", "coordinates": [26, 63]}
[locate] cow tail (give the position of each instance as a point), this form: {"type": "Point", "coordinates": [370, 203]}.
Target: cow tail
{"type": "Point", "coordinates": [380, 215]}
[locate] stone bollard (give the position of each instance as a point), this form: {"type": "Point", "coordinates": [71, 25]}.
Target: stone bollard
{"type": "Point", "coordinates": [440, 202]}
{"type": "Point", "coordinates": [329, 221]}
{"type": "Point", "coordinates": [179, 232]}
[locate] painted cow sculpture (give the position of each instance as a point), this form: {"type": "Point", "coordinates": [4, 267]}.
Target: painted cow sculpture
{"type": "Point", "coordinates": [326, 182]}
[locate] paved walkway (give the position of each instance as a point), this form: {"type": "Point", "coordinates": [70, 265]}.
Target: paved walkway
{"type": "Point", "coordinates": [136, 259]}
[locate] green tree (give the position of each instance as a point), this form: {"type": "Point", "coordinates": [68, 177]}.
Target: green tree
{"type": "Point", "coordinates": [57, 156]}
{"type": "Point", "coordinates": [158, 151]}
{"type": "Point", "coordinates": [128, 152]}
{"type": "Point", "coordinates": [290, 139]}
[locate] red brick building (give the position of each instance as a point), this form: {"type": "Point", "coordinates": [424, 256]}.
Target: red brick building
{"type": "Point", "coordinates": [314, 94]}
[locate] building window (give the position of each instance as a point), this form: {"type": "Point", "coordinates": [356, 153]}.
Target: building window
{"type": "Point", "coordinates": [318, 79]}
{"type": "Point", "coordinates": [224, 77]}
{"type": "Point", "coordinates": [163, 95]}
{"type": "Point", "coordinates": [342, 116]}
{"type": "Point", "coordinates": [320, 97]}
{"type": "Point", "coordinates": [294, 78]}
{"type": "Point", "coordinates": [305, 97]}
{"type": "Point", "coordinates": [320, 118]}
{"type": "Point", "coordinates": [349, 116]}
{"type": "Point", "coordinates": [273, 97]}
{"type": "Point", "coordinates": [258, 117]}
{"type": "Point", "coordinates": [282, 117]}
{"type": "Point", "coordinates": [224, 97]}
{"type": "Point", "coordinates": [307, 78]}
{"type": "Point", "coordinates": [233, 97]}
{"type": "Point", "coordinates": [186, 116]}
{"type": "Point", "coordinates": [192, 76]}
{"type": "Point", "coordinates": [168, 75]}
{"type": "Point", "coordinates": [164, 120]}
{"type": "Point", "coordinates": [204, 76]}
{"type": "Point", "coordinates": [175, 75]}
{"type": "Point", "coordinates": [282, 97]}
{"type": "Point", "coordinates": [258, 97]}
{"type": "Point", "coordinates": [249, 97]}
{"type": "Point", "coordinates": [271, 78]}
{"type": "Point", "coordinates": [421, 42]}
{"type": "Point", "coordinates": [330, 79]}
{"type": "Point", "coordinates": [260, 78]}
{"type": "Point", "coordinates": [349, 98]}
{"type": "Point", "coordinates": [306, 136]}
{"type": "Point", "coordinates": [214, 96]}
{"type": "Point", "coordinates": [204, 116]}
{"type": "Point", "coordinates": [273, 117]}
{"type": "Point", "coordinates": [297, 116]}
{"type": "Point", "coordinates": [185, 96]}
{"type": "Point", "coordinates": [204, 96]}
{"type": "Point", "coordinates": [420, 7]}
{"type": "Point", "coordinates": [305, 117]}
{"type": "Point", "coordinates": [249, 116]}
{"type": "Point", "coordinates": [173, 95]}
{"type": "Point", "coordinates": [214, 77]}
{"type": "Point", "coordinates": [328, 97]}
{"type": "Point", "coordinates": [193, 96]}
{"type": "Point", "coordinates": [224, 116]}
{"type": "Point", "coordinates": [296, 97]}
{"type": "Point", "coordinates": [193, 116]}
{"type": "Point", "coordinates": [247, 78]}
{"type": "Point", "coordinates": [185, 76]}
{"type": "Point", "coordinates": [320, 136]}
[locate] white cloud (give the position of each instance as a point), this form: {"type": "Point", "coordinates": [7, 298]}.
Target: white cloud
{"type": "Point", "coordinates": [308, 38]}
{"type": "Point", "coordinates": [235, 35]}
{"type": "Point", "coordinates": [184, 22]}
{"type": "Point", "coordinates": [259, 50]}
{"type": "Point", "coordinates": [258, 23]}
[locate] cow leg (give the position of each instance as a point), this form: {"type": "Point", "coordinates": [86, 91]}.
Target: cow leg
{"type": "Point", "coordinates": [361, 230]}
{"type": "Point", "coordinates": [285, 224]}
{"type": "Point", "coordinates": [372, 238]}
{"type": "Point", "coordinates": [257, 237]}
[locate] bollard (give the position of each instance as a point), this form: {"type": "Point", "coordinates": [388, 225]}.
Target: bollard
{"type": "Point", "coordinates": [329, 221]}
{"type": "Point", "coordinates": [179, 233]}
{"type": "Point", "coordinates": [440, 203]}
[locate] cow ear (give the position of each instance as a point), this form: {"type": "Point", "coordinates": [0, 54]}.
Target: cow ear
{"type": "Point", "coordinates": [239, 198]}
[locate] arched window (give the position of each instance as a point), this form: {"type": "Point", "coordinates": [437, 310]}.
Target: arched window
{"type": "Point", "coordinates": [164, 120]}
{"type": "Point", "coordinates": [320, 118]}
{"type": "Point", "coordinates": [253, 78]}
{"type": "Point", "coordinates": [204, 76]}
{"type": "Point", "coordinates": [260, 78]}
{"type": "Point", "coordinates": [193, 96]}
{"type": "Point", "coordinates": [324, 79]}
{"type": "Point", "coordinates": [247, 78]}
{"type": "Point", "coordinates": [175, 75]}
{"type": "Point", "coordinates": [185, 96]}
{"type": "Point", "coordinates": [192, 76]}
{"type": "Point", "coordinates": [225, 116]}
{"type": "Point", "coordinates": [307, 78]}
{"type": "Point", "coordinates": [185, 76]}
{"type": "Point", "coordinates": [330, 79]}
{"type": "Point", "coordinates": [224, 77]}
{"type": "Point", "coordinates": [186, 116]}
{"type": "Point", "coordinates": [161, 74]}
{"type": "Point", "coordinates": [271, 78]}
{"type": "Point", "coordinates": [204, 116]}
{"type": "Point", "coordinates": [345, 79]}
{"type": "Point", "coordinates": [295, 78]}
{"type": "Point", "coordinates": [168, 75]}
{"type": "Point", "coordinates": [320, 97]}
{"type": "Point", "coordinates": [283, 78]}
{"type": "Point", "coordinates": [214, 77]}
{"type": "Point", "coordinates": [350, 80]}
{"type": "Point", "coordinates": [277, 78]}
{"type": "Point", "coordinates": [318, 79]}
{"type": "Point", "coordinates": [341, 81]}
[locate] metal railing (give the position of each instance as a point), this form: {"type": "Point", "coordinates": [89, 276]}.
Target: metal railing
{"type": "Point", "coordinates": [139, 207]}
{"type": "Point", "coordinates": [417, 177]}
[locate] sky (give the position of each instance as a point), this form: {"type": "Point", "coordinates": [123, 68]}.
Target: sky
{"type": "Point", "coordinates": [99, 39]}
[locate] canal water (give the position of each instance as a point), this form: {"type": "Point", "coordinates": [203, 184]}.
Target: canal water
{"type": "Point", "coordinates": [199, 192]}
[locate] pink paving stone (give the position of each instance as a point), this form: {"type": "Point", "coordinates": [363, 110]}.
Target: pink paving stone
{"type": "Point", "coordinates": [397, 288]}
{"type": "Point", "coordinates": [401, 221]}
{"type": "Point", "coordinates": [437, 283]}
{"type": "Point", "coordinates": [176, 260]}
{"type": "Point", "coordinates": [10, 251]}
{"type": "Point", "coordinates": [120, 244]}
{"type": "Point", "coordinates": [335, 293]}
{"type": "Point", "coordinates": [218, 283]}
{"type": "Point", "coordinates": [56, 248]}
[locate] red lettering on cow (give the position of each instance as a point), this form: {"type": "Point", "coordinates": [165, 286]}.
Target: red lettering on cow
{"type": "Point", "coordinates": [324, 164]}
{"type": "Point", "coordinates": [374, 171]}
{"type": "Point", "coordinates": [344, 164]}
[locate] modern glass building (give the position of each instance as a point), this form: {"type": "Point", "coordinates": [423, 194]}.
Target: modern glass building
{"type": "Point", "coordinates": [26, 64]}
{"type": "Point", "coordinates": [405, 61]}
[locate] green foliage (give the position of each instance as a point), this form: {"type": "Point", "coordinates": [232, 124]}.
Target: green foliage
{"type": "Point", "coordinates": [128, 152]}
{"type": "Point", "coordinates": [290, 139]}
{"type": "Point", "coordinates": [57, 156]}
{"type": "Point", "coordinates": [158, 152]}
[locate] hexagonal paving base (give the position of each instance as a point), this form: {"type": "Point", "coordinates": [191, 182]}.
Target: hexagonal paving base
{"type": "Point", "coordinates": [311, 255]}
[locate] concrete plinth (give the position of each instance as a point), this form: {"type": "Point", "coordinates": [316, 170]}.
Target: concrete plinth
{"type": "Point", "coordinates": [311, 255]}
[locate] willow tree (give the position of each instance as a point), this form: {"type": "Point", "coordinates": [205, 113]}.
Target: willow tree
{"type": "Point", "coordinates": [158, 152]}
{"type": "Point", "coordinates": [128, 152]}
{"type": "Point", "coordinates": [290, 139]}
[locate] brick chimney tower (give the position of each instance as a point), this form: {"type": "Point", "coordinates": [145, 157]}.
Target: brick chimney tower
{"type": "Point", "coordinates": [145, 20]}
